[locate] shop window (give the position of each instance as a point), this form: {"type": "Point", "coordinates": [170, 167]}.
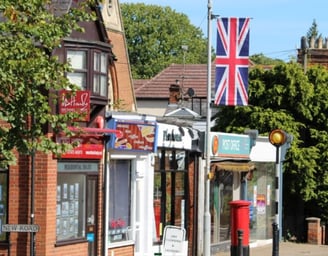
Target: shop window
{"type": "Point", "coordinates": [3, 201]}
{"type": "Point", "coordinates": [261, 194]}
{"type": "Point", "coordinates": [70, 206]}
{"type": "Point", "coordinates": [89, 70]}
{"type": "Point", "coordinates": [75, 193]}
{"type": "Point", "coordinates": [170, 190]}
{"type": "Point", "coordinates": [119, 200]}
{"type": "Point", "coordinates": [221, 195]}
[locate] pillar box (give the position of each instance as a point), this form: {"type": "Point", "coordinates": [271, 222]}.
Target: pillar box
{"type": "Point", "coordinates": [239, 221]}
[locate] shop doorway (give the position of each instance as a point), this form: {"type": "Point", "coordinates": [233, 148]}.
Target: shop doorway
{"type": "Point", "coordinates": [221, 195]}
{"type": "Point", "coordinates": [91, 212]}
{"type": "Point", "coordinates": [170, 191]}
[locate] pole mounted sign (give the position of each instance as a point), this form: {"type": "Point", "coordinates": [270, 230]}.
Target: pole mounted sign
{"type": "Point", "coordinates": [20, 228]}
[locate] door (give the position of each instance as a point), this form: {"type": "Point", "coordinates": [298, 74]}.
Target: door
{"type": "Point", "coordinates": [91, 214]}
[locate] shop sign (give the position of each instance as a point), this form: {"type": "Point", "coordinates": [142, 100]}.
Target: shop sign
{"type": "Point", "coordinates": [77, 167]}
{"type": "Point", "coordinates": [136, 136]}
{"type": "Point", "coordinates": [230, 145]}
{"type": "Point", "coordinates": [89, 147]}
{"type": "Point", "coordinates": [78, 102]}
{"type": "Point", "coordinates": [172, 136]}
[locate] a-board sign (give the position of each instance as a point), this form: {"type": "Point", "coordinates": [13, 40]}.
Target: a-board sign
{"type": "Point", "coordinates": [173, 239]}
{"type": "Point", "coordinates": [20, 228]}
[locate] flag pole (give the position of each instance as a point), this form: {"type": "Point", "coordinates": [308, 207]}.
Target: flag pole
{"type": "Point", "coordinates": [207, 215]}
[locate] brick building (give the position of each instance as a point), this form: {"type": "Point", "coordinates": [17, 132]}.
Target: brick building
{"type": "Point", "coordinates": [64, 197]}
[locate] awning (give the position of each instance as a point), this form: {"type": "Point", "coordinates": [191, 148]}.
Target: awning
{"type": "Point", "coordinates": [232, 166]}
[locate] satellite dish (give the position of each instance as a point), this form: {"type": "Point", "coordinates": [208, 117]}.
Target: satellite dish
{"type": "Point", "coordinates": [190, 92]}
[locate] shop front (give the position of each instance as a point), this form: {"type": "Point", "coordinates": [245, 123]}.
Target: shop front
{"type": "Point", "coordinates": [175, 185]}
{"type": "Point", "coordinates": [129, 213]}
{"type": "Point", "coordinates": [230, 170]}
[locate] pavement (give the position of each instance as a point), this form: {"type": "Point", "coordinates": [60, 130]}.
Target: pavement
{"type": "Point", "coordinates": [285, 249]}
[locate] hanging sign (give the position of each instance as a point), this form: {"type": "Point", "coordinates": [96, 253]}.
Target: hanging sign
{"type": "Point", "coordinates": [78, 102]}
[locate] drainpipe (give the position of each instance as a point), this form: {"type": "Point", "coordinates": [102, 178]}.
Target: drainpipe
{"type": "Point", "coordinates": [105, 198]}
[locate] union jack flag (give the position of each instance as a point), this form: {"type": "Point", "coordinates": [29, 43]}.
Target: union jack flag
{"type": "Point", "coordinates": [232, 50]}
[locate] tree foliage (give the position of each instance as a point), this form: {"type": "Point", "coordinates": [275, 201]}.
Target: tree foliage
{"type": "Point", "coordinates": [29, 32]}
{"type": "Point", "coordinates": [286, 98]}
{"type": "Point", "coordinates": [261, 59]}
{"type": "Point", "coordinates": [313, 31]}
{"type": "Point", "coordinates": [155, 37]}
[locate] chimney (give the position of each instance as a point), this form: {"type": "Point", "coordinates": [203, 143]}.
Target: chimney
{"type": "Point", "coordinates": [174, 94]}
{"type": "Point", "coordinates": [320, 42]}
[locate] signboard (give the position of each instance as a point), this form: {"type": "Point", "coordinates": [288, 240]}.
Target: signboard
{"type": "Point", "coordinates": [173, 136]}
{"type": "Point", "coordinates": [90, 147]}
{"type": "Point", "coordinates": [20, 228]}
{"type": "Point", "coordinates": [136, 136]}
{"type": "Point", "coordinates": [230, 145]}
{"type": "Point", "coordinates": [78, 102]}
{"type": "Point", "coordinates": [173, 239]}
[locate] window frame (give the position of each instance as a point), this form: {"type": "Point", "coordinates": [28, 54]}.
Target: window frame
{"type": "Point", "coordinates": [93, 172]}
{"type": "Point", "coordinates": [91, 49]}
{"type": "Point", "coordinates": [126, 230]}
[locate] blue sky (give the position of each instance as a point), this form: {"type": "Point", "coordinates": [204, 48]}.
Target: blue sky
{"type": "Point", "coordinates": [276, 27]}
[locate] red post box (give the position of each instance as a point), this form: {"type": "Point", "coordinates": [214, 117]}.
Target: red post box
{"type": "Point", "coordinates": [239, 221]}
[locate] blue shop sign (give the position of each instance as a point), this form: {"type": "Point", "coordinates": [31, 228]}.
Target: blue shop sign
{"type": "Point", "coordinates": [230, 145]}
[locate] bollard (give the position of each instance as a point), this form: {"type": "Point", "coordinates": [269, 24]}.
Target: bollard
{"type": "Point", "coordinates": [239, 221]}
{"type": "Point", "coordinates": [275, 239]}
{"type": "Point", "coordinates": [240, 242]}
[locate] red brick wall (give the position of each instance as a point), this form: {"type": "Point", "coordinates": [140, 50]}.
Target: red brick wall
{"type": "Point", "coordinates": [314, 231]}
{"type": "Point", "coordinates": [126, 93]}
{"type": "Point", "coordinates": [121, 251]}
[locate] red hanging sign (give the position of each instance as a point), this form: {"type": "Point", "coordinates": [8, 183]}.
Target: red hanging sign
{"type": "Point", "coordinates": [78, 102]}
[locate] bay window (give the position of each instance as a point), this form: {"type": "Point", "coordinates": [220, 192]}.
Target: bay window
{"type": "Point", "coordinates": [90, 70]}
{"type": "Point", "coordinates": [78, 60]}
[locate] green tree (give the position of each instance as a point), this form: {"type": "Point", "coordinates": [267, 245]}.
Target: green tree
{"type": "Point", "coordinates": [261, 59]}
{"type": "Point", "coordinates": [29, 32]}
{"type": "Point", "coordinates": [286, 98]}
{"type": "Point", "coordinates": [313, 31]}
{"type": "Point", "coordinates": [156, 37]}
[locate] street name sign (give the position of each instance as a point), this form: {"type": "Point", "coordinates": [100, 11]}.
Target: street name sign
{"type": "Point", "coordinates": [20, 228]}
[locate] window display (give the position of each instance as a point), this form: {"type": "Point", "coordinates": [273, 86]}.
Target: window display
{"type": "Point", "coordinates": [70, 206]}
{"type": "Point", "coordinates": [119, 200]}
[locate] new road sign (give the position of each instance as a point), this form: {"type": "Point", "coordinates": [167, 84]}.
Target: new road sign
{"type": "Point", "coordinates": [20, 228]}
